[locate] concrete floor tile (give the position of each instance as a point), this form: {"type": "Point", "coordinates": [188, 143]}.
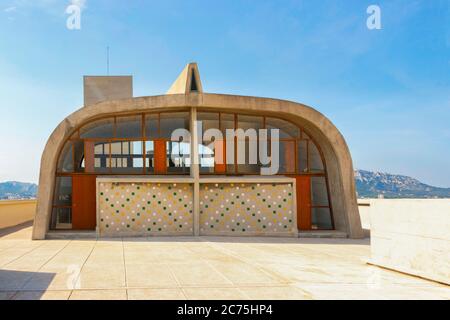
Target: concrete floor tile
{"type": "Point", "coordinates": [198, 274]}
{"type": "Point", "coordinates": [98, 295]}
{"type": "Point", "coordinates": [214, 294]}
{"type": "Point", "coordinates": [149, 275]}
{"type": "Point", "coordinates": [42, 295]}
{"type": "Point", "coordinates": [156, 294]}
{"type": "Point", "coordinates": [241, 273]}
{"type": "Point", "coordinates": [102, 277]}
{"type": "Point", "coordinates": [275, 293]}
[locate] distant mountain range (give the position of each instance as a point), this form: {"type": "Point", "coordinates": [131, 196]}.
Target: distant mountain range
{"type": "Point", "coordinates": [377, 184]}
{"type": "Point", "coordinates": [12, 190]}
{"type": "Point", "coordinates": [368, 185]}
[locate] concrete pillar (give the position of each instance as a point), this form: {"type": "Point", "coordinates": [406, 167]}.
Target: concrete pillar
{"type": "Point", "coordinates": [195, 172]}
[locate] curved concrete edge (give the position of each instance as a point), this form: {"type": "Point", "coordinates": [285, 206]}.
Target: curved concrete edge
{"type": "Point", "coordinates": [333, 145]}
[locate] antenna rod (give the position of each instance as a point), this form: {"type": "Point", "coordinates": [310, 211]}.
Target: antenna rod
{"type": "Point", "coordinates": [107, 60]}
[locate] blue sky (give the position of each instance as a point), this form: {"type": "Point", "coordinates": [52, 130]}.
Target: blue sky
{"type": "Point", "coordinates": [387, 90]}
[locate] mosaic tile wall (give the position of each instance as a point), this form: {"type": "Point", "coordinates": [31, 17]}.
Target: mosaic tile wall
{"type": "Point", "coordinates": [145, 208]}
{"type": "Point", "coordinates": [246, 208]}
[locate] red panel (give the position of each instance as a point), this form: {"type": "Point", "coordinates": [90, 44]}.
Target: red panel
{"type": "Point", "coordinates": [160, 157]}
{"type": "Point", "coordinates": [219, 156]}
{"type": "Point", "coordinates": [303, 202]}
{"type": "Point", "coordinates": [289, 156]}
{"type": "Point", "coordinates": [83, 202]}
{"type": "Point", "coordinates": [89, 156]}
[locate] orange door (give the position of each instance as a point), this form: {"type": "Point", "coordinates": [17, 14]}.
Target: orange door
{"type": "Point", "coordinates": [83, 202]}
{"type": "Point", "coordinates": [219, 156]}
{"type": "Point", "coordinates": [303, 202]}
{"type": "Point", "coordinates": [160, 156]}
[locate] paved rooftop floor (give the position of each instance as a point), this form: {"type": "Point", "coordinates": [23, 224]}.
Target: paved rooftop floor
{"type": "Point", "coordinates": [199, 268]}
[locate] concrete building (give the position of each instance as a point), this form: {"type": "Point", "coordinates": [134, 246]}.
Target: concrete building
{"type": "Point", "coordinates": [113, 168]}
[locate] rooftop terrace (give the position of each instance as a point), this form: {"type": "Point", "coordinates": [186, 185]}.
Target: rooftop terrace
{"type": "Point", "coordinates": [199, 268]}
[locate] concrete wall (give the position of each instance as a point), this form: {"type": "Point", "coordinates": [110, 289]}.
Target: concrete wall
{"type": "Point", "coordinates": [364, 215]}
{"type": "Point", "coordinates": [16, 212]}
{"type": "Point", "coordinates": [104, 88]}
{"type": "Point", "coordinates": [412, 236]}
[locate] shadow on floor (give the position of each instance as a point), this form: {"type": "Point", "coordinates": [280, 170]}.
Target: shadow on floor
{"type": "Point", "coordinates": [12, 284]}
{"type": "Point", "coordinates": [9, 230]}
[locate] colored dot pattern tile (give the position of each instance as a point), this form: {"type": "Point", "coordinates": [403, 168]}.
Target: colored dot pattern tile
{"type": "Point", "coordinates": [145, 208]}
{"type": "Point", "coordinates": [246, 208]}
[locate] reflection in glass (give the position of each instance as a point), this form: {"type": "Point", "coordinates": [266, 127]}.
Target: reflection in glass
{"type": "Point", "coordinates": [178, 157]}
{"type": "Point", "coordinates": [315, 160]}
{"type": "Point", "coordinates": [65, 163]}
{"type": "Point", "coordinates": [319, 192]}
{"type": "Point", "coordinates": [103, 128]}
{"type": "Point", "coordinates": [250, 122]}
{"type": "Point", "coordinates": [127, 157]}
{"type": "Point", "coordinates": [63, 191]}
{"type": "Point", "coordinates": [206, 152]}
{"type": "Point", "coordinates": [149, 157]}
{"type": "Point", "coordinates": [302, 156]}
{"type": "Point", "coordinates": [152, 125]}
{"type": "Point", "coordinates": [287, 129]}
{"type": "Point", "coordinates": [61, 218]}
{"type": "Point", "coordinates": [171, 121]}
{"type": "Point", "coordinates": [321, 219]}
{"type": "Point", "coordinates": [129, 127]}
{"type": "Point", "coordinates": [78, 154]}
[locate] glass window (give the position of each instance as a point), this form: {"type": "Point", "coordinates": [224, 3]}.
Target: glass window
{"type": "Point", "coordinates": [103, 128]}
{"type": "Point", "coordinates": [209, 120]}
{"type": "Point", "coordinates": [250, 122]}
{"type": "Point", "coordinates": [227, 122]}
{"type": "Point", "coordinates": [129, 127]}
{"type": "Point", "coordinates": [302, 156]}
{"type": "Point", "coordinates": [61, 218]}
{"type": "Point", "coordinates": [319, 192]}
{"type": "Point", "coordinates": [152, 125]}
{"type": "Point", "coordinates": [249, 164]}
{"type": "Point", "coordinates": [149, 156]}
{"type": "Point", "coordinates": [212, 149]}
{"type": "Point", "coordinates": [247, 146]}
{"type": "Point", "coordinates": [127, 157]}
{"type": "Point", "coordinates": [321, 219]}
{"type": "Point", "coordinates": [315, 160]}
{"type": "Point", "coordinates": [287, 157]}
{"type": "Point", "coordinates": [206, 152]}
{"type": "Point", "coordinates": [169, 122]}
{"type": "Point", "coordinates": [287, 129]}
{"type": "Point", "coordinates": [78, 147]}
{"type": "Point", "coordinates": [97, 156]}
{"type": "Point", "coordinates": [63, 191]}
{"type": "Point", "coordinates": [65, 163]}
{"type": "Point", "coordinates": [178, 157]}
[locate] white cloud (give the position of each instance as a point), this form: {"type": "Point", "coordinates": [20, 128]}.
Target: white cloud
{"type": "Point", "coordinates": [10, 9]}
